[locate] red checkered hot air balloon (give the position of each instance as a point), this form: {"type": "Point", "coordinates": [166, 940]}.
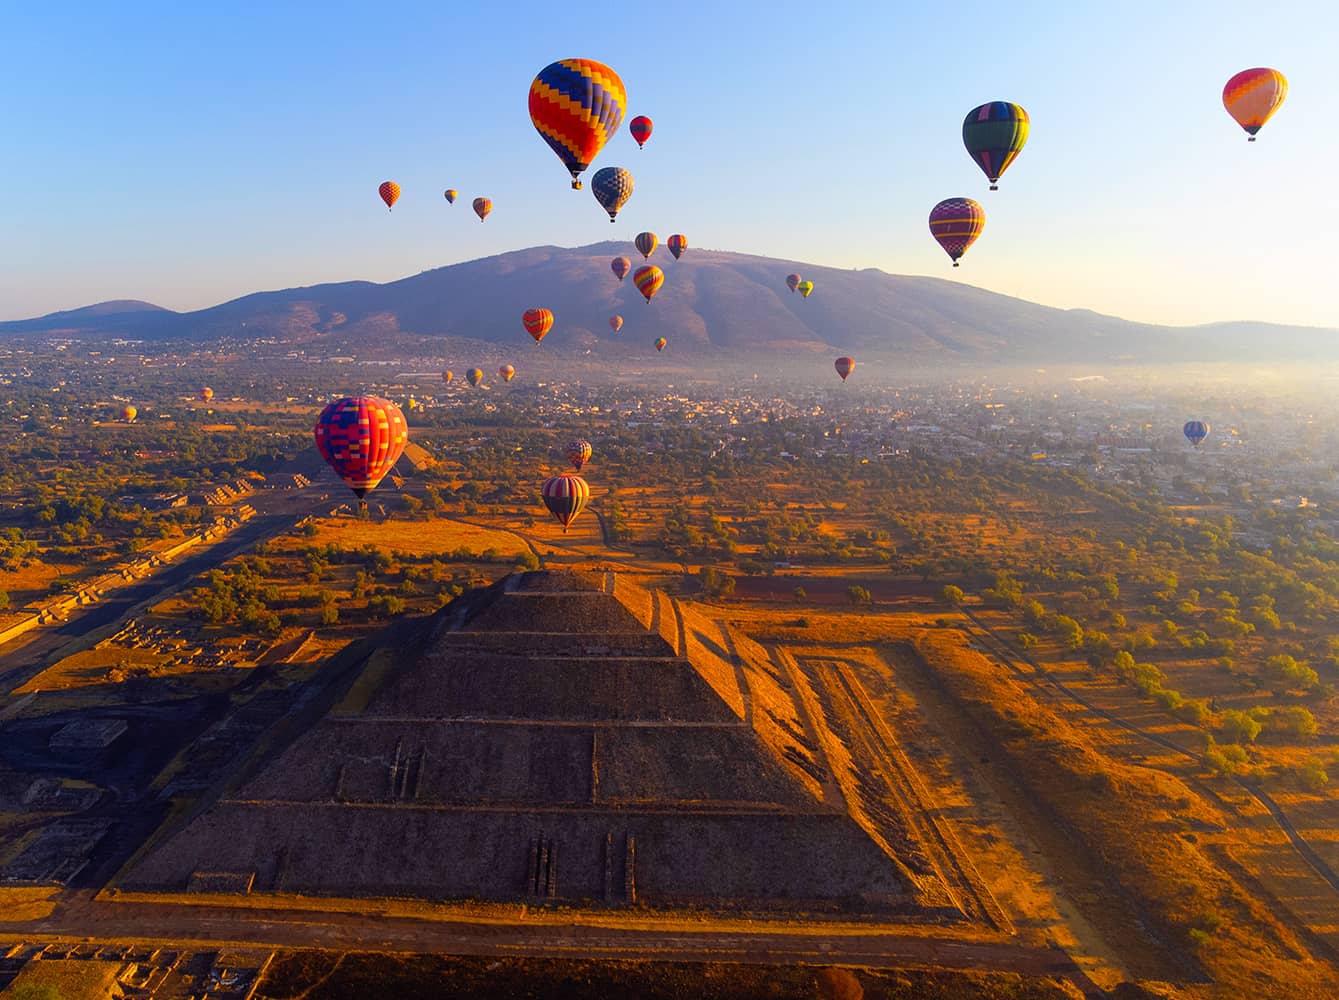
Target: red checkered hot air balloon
{"type": "Point", "coordinates": [576, 105]}
{"type": "Point", "coordinates": [565, 496]}
{"type": "Point", "coordinates": [578, 452]}
{"type": "Point", "coordinates": [677, 244]}
{"type": "Point", "coordinates": [646, 244]}
{"type": "Point", "coordinates": [648, 280]}
{"type": "Point", "coordinates": [640, 127]}
{"type": "Point", "coordinates": [620, 266]}
{"type": "Point", "coordinates": [482, 206]}
{"type": "Point", "coordinates": [361, 437]}
{"type": "Point", "coordinates": [844, 367]}
{"type": "Point", "coordinates": [955, 223]}
{"type": "Point", "coordinates": [612, 187]}
{"type": "Point", "coordinates": [538, 322]}
{"type": "Point", "coordinates": [390, 193]}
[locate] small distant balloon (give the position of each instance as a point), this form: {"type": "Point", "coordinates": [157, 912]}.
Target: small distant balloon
{"type": "Point", "coordinates": [648, 280]}
{"type": "Point", "coordinates": [507, 373]}
{"type": "Point", "coordinates": [565, 495]}
{"type": "Point", "coordinates": [575, 106]}
{"type": "Point", "coordinates": [447, 376]}
{"type": "Point", "coordinates": [451, 195]}
{"type": "Point", "coordinates": [390, 193]}
{"type": "Point", "coordinates": [1253, 95]}
{"type": "Point", "coordinates": [640, 127]}
{"type": "Point", "coordinates": [1195, 431]}
{"type": "Point", "coordinates": [537, 323]}
{"type": "Point", "coordinates": [616, 323]}
{"type": "Point", "coordinates": [805, 288]}
{"type": "Point", "coordinates": [206, 394]}
{"type": "Point", "coordinates": [474, 376]}
{"type": "Point", "coordinates": [482, 206]}
{"type": "Point", "coordinates": [620, 266]}
{"type": "Point", "coordinates": [955, 223]}
{"type": "Point", "coordinates": [612, 187]}
{"type": "Point", "coordinates": [844, 367]}
{"type": "Point", "coordinates": [129, 413]}
{"type": "Point", "coordinates": [660, 343]}
{"type": "Point", "coordinates": [793, 281]}
{"type": "Point", "coordinates": [646, 244]}
{"type": "Point", "coordinates": [677, 244]}
{"type": "Point", "coordinates": [578, 452]}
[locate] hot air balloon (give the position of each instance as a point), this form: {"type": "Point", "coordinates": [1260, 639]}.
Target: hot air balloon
{"type": "Point", "coordinates": [361, 437]}
{"type": "Point", "coordinates": [660, 344]}
{"type": "Point", "coordinates": [1253, 95]}
{"type": "Point", "coordinates": [955, 223]}
{"type": "Point", "coordinates": [474, 376]}
{"type": "Point", "coordinates": [646, 244]}
{"type": "Point", "coordinates": [844, 367]}
{"type": "Point", "coordinates": [507, 372]}
{"type": "Point", "coordinates": [128, 414]}
{"type": "Point", "coordinates": [206, 394]}
{"type": "Point", "coordinates": [612, 187]}
{"type": "Point", "coordinates": [578, 452]}
{"type": "Point", "coordinates": [677, 244]}
{"type": "Point", "coordinates": [616, 323]}
{"type": "Point", "coordinates": [565, 496]}
{"type": "Point", "coordinates": [620, 266]}
{"type": "Point", "coordinates": [805, 288]}
{"type": "Point", "coordinates": [450, 196]}
{"type": "Point", "coordinates": [576, 105]}
{"type": "Point", "coordinates": [538, 322]}
{"type": "Point", "coordinates": [447, 376]}
{"type": "Point", "coordinates": [482, 206]}
{"type": "Point", "coordinates": [390, 193]}
{"type": "Point", "coordinates": [640, 127]}
{"type": "Point", "coordinates": [413, 405]}
{"type": "Point", "coordinates": [994, 135]}
{"type": "Point", "coordinates": [793, 281]}
{"type": "Point", "coordinates": [1195, 431]}
{"type": "Point", "coordinates": [648, 280]}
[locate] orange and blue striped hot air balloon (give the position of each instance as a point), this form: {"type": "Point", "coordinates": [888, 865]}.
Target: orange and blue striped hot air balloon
{"type": "Point", "coordinates": [538, 322]}
{"type": "Point", "coordinates": [565, 495]}
{"type": "Point", "coordinates": [576, 105]}
{"type": "Point", "coordinates": [620, 266]}
{"type": "Point", "coordinates": [646, 244]}
{"type": "Point", "coordinates": [474, 376]}
{"type": "Point", "coordinates": [1253, 95]}
{"type": "Point", "coordinates": [955, 223]}
{"type": "Point", "coordinates": [994, 135]}
{"type": "Point", "coordinates": [677, 244]}
{"type": "Point", "coordinates": [450, 196]}
{"type": "Point", "coordinates": [640, 127]}
{"type": "Point", "coordinates": [648, 280]}
{"type": "Point", "coordinates": [390, 193]}
{"type": "Point", "coordinates": [612, 187]}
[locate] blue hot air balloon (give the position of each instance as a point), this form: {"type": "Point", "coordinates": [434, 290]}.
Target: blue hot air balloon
{"type": "Point", "coordinates": [1195, 431]}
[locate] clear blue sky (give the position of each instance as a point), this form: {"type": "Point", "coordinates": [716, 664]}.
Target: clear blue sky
{"type": "Point", "coordinates": [190, 153]}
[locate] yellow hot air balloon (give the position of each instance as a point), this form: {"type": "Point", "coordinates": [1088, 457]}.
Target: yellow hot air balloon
{"type": "Point", "coordinates": [1253, 95]}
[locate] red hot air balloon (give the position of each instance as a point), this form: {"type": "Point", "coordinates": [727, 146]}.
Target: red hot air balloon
{"type": "Point", "coordinates": [646, 244]}
{"type": "Point", "coordinates": [620, 266]}
{"type": "Point", "coordinates": [640, 127]}
{"type": "Point", "coordinates": [390, 193]}
{"type": "Point", "coordinates": [616, 323]}
{"type": "Point", "coordinates": [482, 206]}
{"type": "Point", "coordinates": [793, 281]}
{"type": "Point", "coordinates": [578, 452]}
{"type": "Point", "coordinates": [677, 244]}
{"type": "Point", "coordinates": [565, 495]}
{"type": "Point", "coordinates": [507, 372]}
{"type": "Point", "coordinates": [955, 224]}
{"type": "Point", "coordinates": [648, 280]}
{"type": "Point", "coordinates": [1252, 96]}
{"type": "Point", "coordinates": [844, 367]}
{"type": "Point", "coordinates": [361, 437]}
{"type": "Point", "coordinates": [538, 322]}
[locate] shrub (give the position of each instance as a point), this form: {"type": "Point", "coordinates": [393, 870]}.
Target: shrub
{"type": "Point", "coordinates": [1312, 776]}
{"type": "Point", "coordinates": [1239, 727]}
{"type": "Point", "coordinates": [952, 595]}
{"type": "Point", "coordinates": [1293, 722]}
{"type": "Point", "coordinates": [858, 595]}
{"type": "Point", "coordinates": [1216, 762]}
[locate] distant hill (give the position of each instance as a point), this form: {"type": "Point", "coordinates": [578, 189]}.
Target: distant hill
{"type": "Point", "coordinates": [713, 302]}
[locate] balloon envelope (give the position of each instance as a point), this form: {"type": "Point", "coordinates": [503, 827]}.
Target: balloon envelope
{"type": "Point", "coordinates": [646, 243]}
{"type": "Point", "coordinates": [994, 135]}
{"type": "Point", "coordinates": [206, 394]}
{"type": "Point", "coordinates": [955, 224]}
{"type": "Point", "coordinates": [361, 437]}
{"type": "Point", "coordinates": [793, 281]}
{"type": "Point", "coordinates": [578, 452]}
{"type": "Point", "coordinates": [660, 343]}
{"type": "Point", "coordinates": [805, 288]}
{"type": "Point", "coordinates": [616, 323]}
{"type": "Point", "coordinates": [576, 105]}
{"type": "Point", "coordinates": [390, 192]}
{"type": "Point", "coordinates": [612, 187]}
{"type": "Point", "coordinates": [844, 367]}
{"type": "Point", "coordinates": [648, 280]}
{"type": "Point", "coordinates": [129, 413]}
{"type": "Point", "coordinates": [677, 244]}
{"type": "Point", "coordinates": [507, 372]}
{"type": "Point", "coordinates": [448, 375]}
{"type": "Point", "coordinates": [474, 376]}
{"type": "Point", "coordinates": [640, 127]}
{"type": "Point", "coordinates": [620, 266]}
{"type": "Point", "coordinates": [537, 322]}
{"type": "Point", "coordinates": [450, 196]}
{"type": "Point", "coordinates": [1253, 95]}
{"type": "Point", "coordinates": [565, 495]}
{"type": "Point", "coordinates": [482, 206]}
{"type": "Point", "coordinates": [1195, 431]}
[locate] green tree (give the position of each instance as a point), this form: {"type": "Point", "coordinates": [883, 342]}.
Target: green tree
{"type": "Point", "coordinates": [953, 595]}
{"type": "Point", "coordinates": [858, 595]}
{"type": "Point", "coordinates": [1239, 727]}
{"type": "Point", "coordinates": [1291, 722]}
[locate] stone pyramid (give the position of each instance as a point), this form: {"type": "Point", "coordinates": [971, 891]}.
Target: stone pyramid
{"type": "Point", "coordinates": [555, 736]}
